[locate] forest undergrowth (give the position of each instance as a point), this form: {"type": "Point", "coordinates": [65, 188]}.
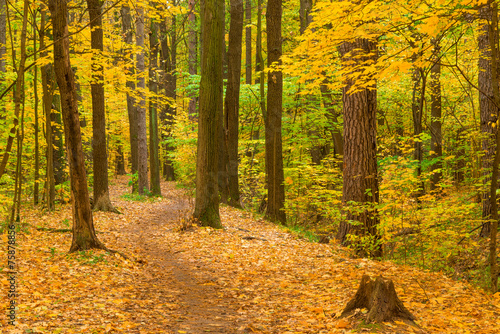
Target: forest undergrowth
{"type": "Point", "coordinates": [263, 278]}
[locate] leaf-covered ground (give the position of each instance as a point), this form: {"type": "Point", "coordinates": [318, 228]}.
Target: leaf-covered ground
{"type": "Point", "coordinates": [252, 277]}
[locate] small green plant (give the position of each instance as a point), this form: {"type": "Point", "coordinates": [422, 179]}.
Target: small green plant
{"type": "Point", "coordinates": [52, 251]}
{"type": "Point", "coordinates": [134, 178]}
{"type": "Point", "coordinates": [65, 222]}
{"type": "Point", "coordinates": [88, 258]}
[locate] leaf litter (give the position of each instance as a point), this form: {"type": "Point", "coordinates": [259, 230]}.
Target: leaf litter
{"type": "Point", "coordinates": [251, 277]}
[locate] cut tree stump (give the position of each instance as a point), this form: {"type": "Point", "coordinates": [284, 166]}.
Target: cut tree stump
{"type": "Point", "coordinates": [381, 300]}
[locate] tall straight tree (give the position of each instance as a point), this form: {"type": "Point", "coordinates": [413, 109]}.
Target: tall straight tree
{"type": "Point", "coordinates": [231, 104]}
{"type": "Point", "coordinates": [274, 155]}
{"type": "Point", "coordinates": [154, 160]}
{"type": "Point", "coordinates": [131, 107]}
{"type": "Point", "coordinates": [360, 191]}
{"type": "Point", "coordinates": [84, 236]}
{"type": "Point", "coordinates": [488, 109]}
{"type": "Point", "coordinates": [206, 209]}
{"type": "Point", "coordinates": [436, 134]}
{"type": "Point", "coordinates": [248, 42]}
{"type": "Point", "coordinates": [142, 134]}
{"type": "Point", "coordinates": [99, 148]}
{"type": "Point", "coordinates": [192, 53]}
{"type": "Point", "coordinates": [169, 61]}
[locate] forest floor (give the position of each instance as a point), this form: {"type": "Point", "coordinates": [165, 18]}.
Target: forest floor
{"type": "Point", "coordinates": [251, 277]}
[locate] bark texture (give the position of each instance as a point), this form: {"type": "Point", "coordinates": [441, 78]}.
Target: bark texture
{"type": "Point", "coordinates": [169, 54]}
{"type": "Point", "coordinates": [436, 134]}
{"type": "Point", "coordinates": [84, 236]}
{"type": "Point", "coordinates": [360, 187]}
{"type": "Point", "coordinates": [206, 209]}
{"type": "Point", "coordinates": [154, 159]}
{"type": "Point", "coordinates": [142, 132]}
{"type": "Point", "coordinates": [232, 101]}
{"type": "Point", "coordinates": [381, 300]}
{"type": "Point", "coordinates": [488, 110]}
{"type": "Point", "coordinates": [274, 155]}
{"type": "Point", "coordinates": [99, 148]}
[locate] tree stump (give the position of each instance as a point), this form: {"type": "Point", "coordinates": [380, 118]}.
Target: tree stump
{"type": "Point", "coordinates": [381, 300]}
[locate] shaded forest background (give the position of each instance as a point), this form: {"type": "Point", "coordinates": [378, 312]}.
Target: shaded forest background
{"type": "Point", "coordinates": [434, 80]}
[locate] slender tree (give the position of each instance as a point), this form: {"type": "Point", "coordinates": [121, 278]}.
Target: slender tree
{"type": "Point", "coordinates": [360, 191]}
{"type": "Point", "coordinates": [99, 148]}
{"type": "Point", "coordinates": [274, 156]}
{"type": "Point", "coordinates": [154, 160]}
{"type": "Point", "coordinates": [248, 42]}
{"type": "Point", "coordinates": [207, 194]}
{"type": "Point", "coordinates": [36, 185]}
{"type": "Point", "coordinates": [131, 107]}
{"type": "Point", "coordinates": [231, 103]}
{"type": "Point", "coordinates": [436, 135]}
{"type": "Point", "coordinates": [84, 236]}
{"type": "Point", "coordinates": [192, 52]}
{"type": "Point", "coordinates": [142, 136]}
{"type": "Point", "coordinates": [488, 109]}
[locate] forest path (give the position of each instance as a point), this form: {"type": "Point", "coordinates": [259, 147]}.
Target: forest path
{"type": "Point", "coordinates": [250, 277]}
{"type": "Point", "coordinates": [199, 305]}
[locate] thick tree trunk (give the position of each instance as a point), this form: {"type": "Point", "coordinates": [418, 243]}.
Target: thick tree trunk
{"type": "Point", "coordinates": [207, 193]}
{"type": "Point", "coordinates": [142, 135]}
{"type": "Point", "coordinates": [274, 155]}
{"type": "Point", "coordinates": [436, 136]}
{"type": "Point", "coordinates": [131, 107]}
{"type": "Point", "coordinates": [231, 121]}
{"type": "Point", "coordinates": [120, 161]}
{"type": "Point", "coordinates": [84, 236]}
{"type": "Point", "coordinates": [360, 191]}
{"type": "Point", "coordinates": [99, 148]}
{"type": "Point", "coordinates": [488, 110]}
{"type": "Point", "coordinates": [169, 61]}
{"type": "Point", "coordinates": [154, 159]}
{"type": "Point", "coordinates": [381, 300]}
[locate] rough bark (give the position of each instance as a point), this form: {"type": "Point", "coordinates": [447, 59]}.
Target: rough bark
{"type": "Point", "coordinates": [381, 300]}
{"type": "Point", "coordinates": [231, 121]}
{"type": "Point", "coordinates": [47, 95]}
{"type": "Point", "coordinates": [102, 201]}
{"type": "Point", "coordinates": [436, 135]}
{"type": "Point", "coordinates": [154, 159]}
{"type": "Point", "coordinates": [192, 53]}
{"type": "Point", "coordinates": [274, 155]}
{"type": "Point", "coordinates": [305, 14]}
{"type": "Point", "coordinates": [84, 236]}
{"type": "Point", "coordinates": [207, 193]}
{"type": "Point", "coordinates": [142, 135]}
{"type": "Point", "coordinates": [131, 107]}
{"type": "Point", "coordinates": [248, 42]}
{"type": "Point", "coordinates": [169, 61]}
{"type": "Point", "coordinates": [488, 110]}
{"type": "Point", "coordinates": [360, 186]}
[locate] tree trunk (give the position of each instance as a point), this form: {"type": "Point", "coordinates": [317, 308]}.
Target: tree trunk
{"type": "Point", "coordinates": [169, 60]}
{"type": "Point", "coordinates": [207, 193]}
{"type": "Point", "coordinates": [488, 110]}
{"type": "Point", "coordinates": [231, 121]}
{"type": "Point", "coordinates": [84, 236]}
{"type": "Point", "coordinates": [59, 162]}
{"type": "Point", "coordinates": [192, 53]}
{"type": "Point", "coordinates": [154, 161]}
{"type": "Point", "coordinates": [142, 135]}
{"type": "Point", "coordinates": [305, 14]}
{"type": "Point", "coordinates": [360, 190]}
{"type": "Point", "coordinates": [99, 148]}
{"type": "Point", "coordinates": [274, 156]}
{"type": "Point", "coordinates": [417, 108]}
{"type": "Point", "coordinates": [131, 107]}
{"type": "Point", "coordinates": [36, 187]}
{"type": "Point", "coordinates": [48, 92]}
{"type": "Point", "coordinates": [381, 300]}
{"type": "Point", "coordinates": [120, 161]}
{"type": "Point", "coordinates": [248, 42]}
{"type": "Point", "coordinates": [436, 136]}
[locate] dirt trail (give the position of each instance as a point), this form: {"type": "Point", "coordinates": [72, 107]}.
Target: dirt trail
{"type": "Point", "coordinates": [199, 305]}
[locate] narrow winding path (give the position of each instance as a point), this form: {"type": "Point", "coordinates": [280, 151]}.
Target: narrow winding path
{"type": "Point", "coordinates": [198, 304]}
